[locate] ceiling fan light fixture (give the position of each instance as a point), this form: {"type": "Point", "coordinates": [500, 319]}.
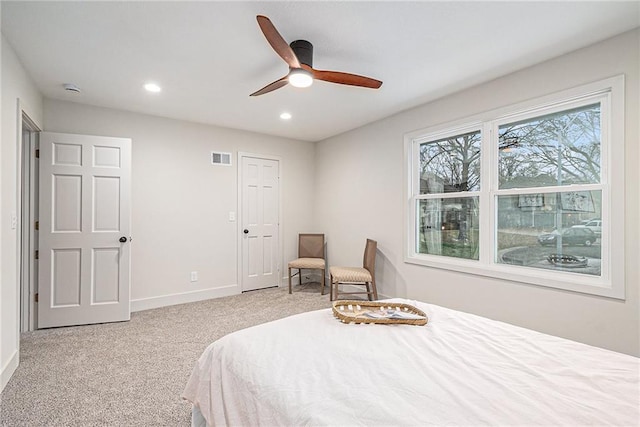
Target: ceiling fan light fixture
{"type": "Point", "coordinates": [300, 78]}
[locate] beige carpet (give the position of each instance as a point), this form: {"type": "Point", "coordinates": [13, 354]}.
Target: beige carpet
{"type": "Point", "coordinates": [132, 373]}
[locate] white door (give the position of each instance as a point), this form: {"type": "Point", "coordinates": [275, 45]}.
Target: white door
{"type": "Point", "coordinates": [84, 250]}
{"type": "Point", "coordinates": [260, 208]}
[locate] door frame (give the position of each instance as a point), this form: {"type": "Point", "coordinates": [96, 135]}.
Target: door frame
{"type": "Point", "coordinates": [27, 206]}
{"type": "Point", "coordinates": [239, 225]}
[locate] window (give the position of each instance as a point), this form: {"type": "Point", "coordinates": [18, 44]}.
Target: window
{"type": "Point", "coordinates": [449, 181]}
{"type": "Point", "coordinates": [525, 193]}
{"type": "Point", "coordinates": [549, 153]}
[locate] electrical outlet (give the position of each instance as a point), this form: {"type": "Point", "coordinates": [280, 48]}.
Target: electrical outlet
{"type": "Point", "coordinates": [194, 276]}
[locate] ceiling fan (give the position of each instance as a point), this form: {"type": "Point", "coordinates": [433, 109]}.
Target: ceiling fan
{"type": "Point", "coordinates": [299, 56]}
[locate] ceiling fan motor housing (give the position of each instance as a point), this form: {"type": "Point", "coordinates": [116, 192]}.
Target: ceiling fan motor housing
{"type": "Point", "coordinates": [304, 51]}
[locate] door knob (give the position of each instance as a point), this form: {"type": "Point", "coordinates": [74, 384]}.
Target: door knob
{"type": "Point", "coordinates": [246, 231]}
{"type": "Point", "coordinates": [123, 239]}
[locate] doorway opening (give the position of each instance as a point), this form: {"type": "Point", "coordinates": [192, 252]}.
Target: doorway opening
{"type": "Point", "coordinates": [28, 214]}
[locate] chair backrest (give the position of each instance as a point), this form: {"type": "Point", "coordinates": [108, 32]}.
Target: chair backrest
{"type": "Point", "coordinates": [369, 261]}
{"type": "Point", "coordinates": [311, 245]}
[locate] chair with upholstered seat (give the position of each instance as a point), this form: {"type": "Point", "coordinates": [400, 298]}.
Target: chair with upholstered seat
{"type": "Point", "coordinates": [364, 275]}
{"type": "Point", "coordinates": [310, 256]}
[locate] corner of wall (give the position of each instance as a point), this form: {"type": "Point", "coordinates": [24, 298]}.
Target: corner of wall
{"type": "Point", "coordinates": [17, 92]}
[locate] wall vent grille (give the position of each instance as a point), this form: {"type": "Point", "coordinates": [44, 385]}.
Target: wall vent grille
{"type": "Point", "coordinates": [220, 158]}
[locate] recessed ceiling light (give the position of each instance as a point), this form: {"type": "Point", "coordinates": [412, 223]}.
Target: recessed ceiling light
{"type": "Point", "coordinates": [152, 87]}
{"type": "Point", "coordinates": [285, 116]}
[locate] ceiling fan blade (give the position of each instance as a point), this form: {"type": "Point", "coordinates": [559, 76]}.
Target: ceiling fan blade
{"type": "Point", "coordinates": [271, 86]}
{"type": "Point", "coordinates": [346, 79]}
{"type": "Point", "coordinates": [276, 41]}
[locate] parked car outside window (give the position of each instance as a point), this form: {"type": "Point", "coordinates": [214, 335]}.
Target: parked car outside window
{"type": "Point", "coordinates": [594, 225]}
{"type": "Point", "coordinates": [570, 236]}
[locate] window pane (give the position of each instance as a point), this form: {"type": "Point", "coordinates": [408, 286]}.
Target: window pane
{"type": "Point", "coordinates": [450, 165]}
{"type": "Point", "coordinates": [448, 227]}
{"type": "Point", "coordinates": [556, 149]}
{"type": "Point", "coordinates": [553, 231]}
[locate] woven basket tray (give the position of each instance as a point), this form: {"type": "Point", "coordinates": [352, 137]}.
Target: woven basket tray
{"type": "Point", "coordinates": [348, 311]}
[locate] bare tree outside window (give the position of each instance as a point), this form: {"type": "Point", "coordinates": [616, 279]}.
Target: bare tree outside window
{"type": "Point", "coordinates": [556, 149]}
{"type": "Point", "coordinates": [449, 226]}
{"type": "Point", "coordinates": [450, 165]}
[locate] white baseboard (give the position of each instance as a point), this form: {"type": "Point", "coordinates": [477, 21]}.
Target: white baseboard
{"type": "Point", "coordinates": [294, 281]}
{"type": "Point", "coordinates": [309, 277]}
{"type": "Point", "coordinates": [183, 298]}
{"type": "Point", "coordinates": [8, 369]}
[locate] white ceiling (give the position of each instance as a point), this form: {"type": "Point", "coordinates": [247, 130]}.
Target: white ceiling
{"type": "Point", "coordinates": [209, 56]}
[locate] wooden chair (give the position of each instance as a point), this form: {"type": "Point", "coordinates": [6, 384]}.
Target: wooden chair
{"type": "Point", "coordinates": [364, 275]}
{"type": "Point", "coordinates": [310, 256]}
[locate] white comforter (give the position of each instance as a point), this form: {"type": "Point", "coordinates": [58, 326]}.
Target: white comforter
{"type": "Point", "coordinates": [459, 369]}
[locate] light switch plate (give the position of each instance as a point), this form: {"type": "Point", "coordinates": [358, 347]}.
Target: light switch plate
{"type": "Point", "coordinates": [232, 216]}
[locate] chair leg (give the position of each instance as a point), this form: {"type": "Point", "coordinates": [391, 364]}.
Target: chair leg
{"type": "Point", "coordinates": [322, 287]}
{"type": "Point", "coordinates": [289, 279]}
{"type": "Point", "coordinates": [330, 287]}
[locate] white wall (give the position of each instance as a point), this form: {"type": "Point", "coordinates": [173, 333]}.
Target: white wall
{"type": "Point", "coordinates": [181, 203]}
{"type": "Point", "coordinates": [16, 84]}
{"type": "Point", "coordinates": [359, 182]}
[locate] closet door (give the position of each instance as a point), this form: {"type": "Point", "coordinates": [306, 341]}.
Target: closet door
{"type": "Point", "coordinates": [260, 196]}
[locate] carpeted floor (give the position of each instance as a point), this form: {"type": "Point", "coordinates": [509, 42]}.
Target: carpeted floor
{"type": "Point", "coordinates": [132, 373]}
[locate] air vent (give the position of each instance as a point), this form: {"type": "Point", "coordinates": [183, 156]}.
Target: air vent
{"type": "Point", "coordinates": [219, 158]}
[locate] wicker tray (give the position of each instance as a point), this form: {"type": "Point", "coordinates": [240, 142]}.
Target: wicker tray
{"type": "Point", "coordinates": [386, 313]}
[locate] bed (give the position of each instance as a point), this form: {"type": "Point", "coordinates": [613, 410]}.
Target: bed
{"type": "Point", "coordinates": [459, 369]}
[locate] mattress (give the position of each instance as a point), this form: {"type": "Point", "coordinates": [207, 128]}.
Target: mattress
{"type": "Point", "coordinates": [459, 369]}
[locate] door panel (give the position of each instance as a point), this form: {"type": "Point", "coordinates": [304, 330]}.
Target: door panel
{"type": "Point", "coordinates": [106, 203]}
{"type": "Point", "coordinates": [105, 282]}
{"type": "Point", "coordinates": [66, 277]}
{"type": "Point", "coordinates": [67, 203]}
{"type": "Point", "coordinates": [84, 210]}
{"type": "Point", "coordinates": [260, 217]}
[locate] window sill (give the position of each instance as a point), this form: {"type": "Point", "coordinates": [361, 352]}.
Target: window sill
{"type": "Point", "coordinates": [574, 282]}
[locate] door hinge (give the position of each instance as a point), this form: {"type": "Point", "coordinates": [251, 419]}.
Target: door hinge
{"type": "Point", "coordinates": [35, 297]}
{"type": "Point", "coordinates": [37, 153]}
{"type": "Point", "coordinates": [37, 225]}
{"type": "Point", "coordinates": [37, 254]}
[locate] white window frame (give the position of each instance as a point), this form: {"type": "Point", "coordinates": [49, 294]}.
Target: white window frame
{"type": "Point", "coordinates": [611, 282]}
